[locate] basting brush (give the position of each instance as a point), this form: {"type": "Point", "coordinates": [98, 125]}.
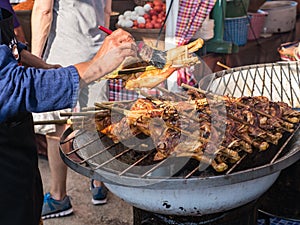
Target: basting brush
{"type": "Point", "coordinates": [150, 55]}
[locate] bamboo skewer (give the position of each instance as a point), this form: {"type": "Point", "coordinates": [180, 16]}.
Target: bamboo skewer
{"type": "Point", "coordinates": [105, 103]}
{"type": "Point", "coordinates": [125, 112]}
{"type": "Point", "coordinates": [117, 102]}
{"type": "Point", "coordinates": [98, 113]}
{"type": "Point", "coordinates": [45, 122]}
{"type": "Point", "coordinates": [222, 65]}
{"type": "Point", "coordinates": [71, 121]}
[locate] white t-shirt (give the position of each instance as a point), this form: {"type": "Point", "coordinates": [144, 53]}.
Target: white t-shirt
{"type": "Point", "coordinates": [74, 36]}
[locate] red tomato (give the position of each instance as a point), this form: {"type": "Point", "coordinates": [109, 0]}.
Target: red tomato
{"type": "Point", "coordinates": [154, 17]}
{"type": "Point", "coordinates": [159, 20]}
{"type": "Point", "coordinates": [157, 25]}
{"type": "Point", "coordinates": [149, 25]}
{"type": "Point", "coordinates": [160, 15]}
{"type": "Point", "coordinates": [157, 2]}
{"type": "Point", "coordinates": [146, 16]}
{"type": "Point", "coordinates": [141, 25]}
{"type": "Point", "coordinates": [135, 23]}
{"type": "Point", "coordinates": [152, 12]}
{"type": "Point", "coordinates": [157, 8]}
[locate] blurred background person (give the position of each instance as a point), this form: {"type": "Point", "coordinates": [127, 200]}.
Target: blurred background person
{"type": "Point", "coordinates": [66, 32]}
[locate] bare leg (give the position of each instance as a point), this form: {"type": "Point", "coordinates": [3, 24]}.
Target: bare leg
{"type": "Point", "coordinates": [58, 168]}
{"type": "Point", "coordinates": [97, 183]}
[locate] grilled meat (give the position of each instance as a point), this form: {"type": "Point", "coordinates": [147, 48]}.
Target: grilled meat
{"type": "Point", "coordinates": [213, 131]}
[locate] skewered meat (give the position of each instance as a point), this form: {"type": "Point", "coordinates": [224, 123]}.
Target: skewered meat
{"type": "Point", "coordinates": [215, 131]}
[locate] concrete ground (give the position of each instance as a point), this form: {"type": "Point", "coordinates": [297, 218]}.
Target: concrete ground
{"type": "Point", "coordinates": [114, 212]}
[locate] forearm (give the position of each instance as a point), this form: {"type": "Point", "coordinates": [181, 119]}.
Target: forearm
{"type": "Point", "coordinates": [30, 60]}
{"type": "Point", "coordinates": [88, 72]}
{"type": "Point", "coordinates": [41, 19]}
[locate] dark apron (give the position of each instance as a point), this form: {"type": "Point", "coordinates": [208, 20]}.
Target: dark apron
{"type": "Point", "coordinates": [21, 194]}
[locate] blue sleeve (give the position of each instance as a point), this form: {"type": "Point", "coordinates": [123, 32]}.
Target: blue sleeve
{"type": "Point", "coordinates": [34, 90]}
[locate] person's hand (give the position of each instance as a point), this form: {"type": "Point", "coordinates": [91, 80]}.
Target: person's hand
{"type": "Point", "coordinates": [106, 62]}
{"type": "Point", "coordinates": [115, 56]}
{"type": "Point", "coordinates": [115, 39]}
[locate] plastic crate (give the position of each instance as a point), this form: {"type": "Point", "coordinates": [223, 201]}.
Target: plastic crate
{"type": "Point", "coordinates": [236, 30]}
{"type": "Point", "coordinates": [257, 21]}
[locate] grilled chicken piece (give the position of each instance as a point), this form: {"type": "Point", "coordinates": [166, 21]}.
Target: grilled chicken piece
{"type": "Point", "coordinates": [149, 79]}
{"type": "Point", "coordinates": [120, 131]}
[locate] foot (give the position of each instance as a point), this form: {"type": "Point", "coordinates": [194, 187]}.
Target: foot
{"type": "Point", "coordinates": [99, 194]}
{"type": "Point", "coordinates": [54, 208]}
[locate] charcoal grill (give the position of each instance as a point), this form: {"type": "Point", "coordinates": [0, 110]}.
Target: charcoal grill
{"type": "Point", "coordinates": [279, 82]}
{"type": "Point", "coordinates": [153, 189]}
{"type": "Point", "coordinates": [175, 186]}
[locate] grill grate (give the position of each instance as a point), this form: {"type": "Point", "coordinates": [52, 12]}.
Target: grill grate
{"type": "Point", "coordinates": [89, 150]}
{"type": "Point", "coordinates": [276, 81]}
{"type": "Point", "coordinates": [93, 152]}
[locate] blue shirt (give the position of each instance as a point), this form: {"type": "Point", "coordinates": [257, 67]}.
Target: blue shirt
{"type": "Point", "coordinates": [34, 90]}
